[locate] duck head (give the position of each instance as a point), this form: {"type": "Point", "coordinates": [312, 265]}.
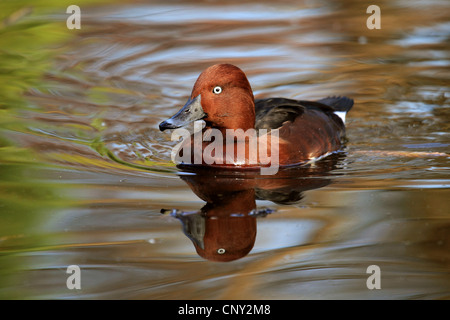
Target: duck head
{"type": "Point", "coordinates": [222, 97]}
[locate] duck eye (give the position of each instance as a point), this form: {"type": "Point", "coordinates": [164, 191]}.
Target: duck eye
{"type": "Point", "coordinates": [217, 90]}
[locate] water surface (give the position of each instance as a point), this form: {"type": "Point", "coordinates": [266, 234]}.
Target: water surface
{"type": "Point", "coordinates": [85, 172]}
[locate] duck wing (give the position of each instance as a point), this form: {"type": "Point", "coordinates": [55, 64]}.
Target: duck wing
{"type": "Point", "coordinates": [271, 113]}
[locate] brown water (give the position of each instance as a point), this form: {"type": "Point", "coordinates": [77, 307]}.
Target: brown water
{"type": "Point", "coordinates": [99, 172]}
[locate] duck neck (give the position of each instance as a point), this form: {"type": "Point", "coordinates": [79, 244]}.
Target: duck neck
{"type": "Point", "coordinates": [239, 118]}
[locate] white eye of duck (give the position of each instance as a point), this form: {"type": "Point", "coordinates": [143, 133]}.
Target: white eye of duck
{"type": "Point", "coordinates": [217, 90]}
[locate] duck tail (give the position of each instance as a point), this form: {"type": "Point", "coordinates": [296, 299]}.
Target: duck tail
{"type": "Point", "coordinates": [340, 104]}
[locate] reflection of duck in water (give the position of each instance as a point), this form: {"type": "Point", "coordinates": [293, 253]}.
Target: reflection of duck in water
{"type": "Point", "coordinates": [225, 228]}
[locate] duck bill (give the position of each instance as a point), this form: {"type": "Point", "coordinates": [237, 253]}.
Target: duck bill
{"type": "Point", "coordinates": [190, 112]}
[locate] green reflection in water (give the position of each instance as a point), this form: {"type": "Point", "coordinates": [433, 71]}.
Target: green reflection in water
{"type": "Point", "coordinates": [29, 39]}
